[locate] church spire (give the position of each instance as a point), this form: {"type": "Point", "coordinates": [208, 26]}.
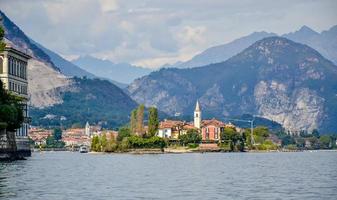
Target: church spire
{"type": "Point", "coordinates": [197, 116]}
{"type": "Point", "coordinates": [197, 107]}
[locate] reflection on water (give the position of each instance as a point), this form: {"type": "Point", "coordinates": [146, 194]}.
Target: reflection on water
{"type": "Point", "coordinates": [69, 175]}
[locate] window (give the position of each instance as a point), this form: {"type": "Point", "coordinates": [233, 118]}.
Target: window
{"type": "Point", "coordinates": [1, 65]}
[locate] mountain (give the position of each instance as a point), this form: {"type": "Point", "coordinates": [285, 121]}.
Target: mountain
{"type": "Point", "coordinates": [221, 53]}
{"type": "Point", "coordinates": [120, 72]}
{"type": "Point", "coordinates": [53, 92]}
{"type": "Point", "coordinates": [92, 100]}
{"type": "Point", "coordinates": [275, 78]}
{"type": "Point", "coordinates": [67, 68]}
{"type": "Point", "coordinates": [324, 42]}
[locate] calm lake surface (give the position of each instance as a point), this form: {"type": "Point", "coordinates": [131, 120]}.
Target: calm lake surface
{"type": "Point", "coordinates": [71, 175]}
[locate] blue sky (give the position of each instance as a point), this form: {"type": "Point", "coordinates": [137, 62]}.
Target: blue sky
{"type": "Point", "coordinates": [153, 32]}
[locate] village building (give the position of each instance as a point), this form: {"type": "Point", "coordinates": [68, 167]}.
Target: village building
{"type": "Point", "coordinates": [13, 74]}
{"type": "Point", "coordinates": [170, 129]}
{"type": "Point", "coordinates": [211, 130]}
{"type": "Point", "coordinates": [75, 137]}
{"type": "Point", "coordinates": [39, 136]}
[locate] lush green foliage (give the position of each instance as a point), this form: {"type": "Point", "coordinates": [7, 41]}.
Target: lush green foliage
{"type": "Point", "coordinates": [11, 112]}
{"type": "Point", "coordinates": [191, 137]}
{"type": "Point", "coordinates": [93, 100]}
{"type": "Point", "coordinates": [140, 120]}
{"type": "Point", "coordinates": [51, 142]}
{"type": "Point", "coordinates": [153, 122]}
{"type": "Point", "coordinates": [152, 142]}
{"type": "Point", "coordinates": [102, 144]}
{"type": "Point", "coordinates": [230, 138]}
{"type": "Point", "coordinates": [57, 133]}
{"type": "Point", "coordinates": [133, 121]}
{"type": "Point", "coordinates": [2, 34]}
{"type": "Point", "coordinates": [123, 133]}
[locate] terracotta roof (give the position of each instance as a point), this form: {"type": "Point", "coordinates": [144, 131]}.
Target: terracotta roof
{"type": "Point", "coordinates": [170, 124]}
{"type": "Point", "coordinates": [212, 122]}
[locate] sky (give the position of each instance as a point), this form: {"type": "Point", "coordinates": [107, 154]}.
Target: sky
{"type": "Point", "coordinates": [151, 33]}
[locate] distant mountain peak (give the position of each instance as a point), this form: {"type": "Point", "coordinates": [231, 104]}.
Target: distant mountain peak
{"type": "Point", "coordinates": [307, 29]}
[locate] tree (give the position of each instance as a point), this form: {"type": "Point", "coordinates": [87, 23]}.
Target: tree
{"type": "Point", "coordinates": [57, 133]}
{"type": "Point", "coordinates": [236, 140]}
{"type": "Point", "coordinates": [325, 142]}
{"type": "Point", "coordinates": [140, 120]}
{"type": "Point", "coordinates": [287, 140]}
{"type": "Point", "coordinates": [191, 137]}
{"type": "Point", "coordinates": [133, 121]}
{"type": "Point", "coordinates": [95, 143]}
{"type": "Point", "coordinates": [153, 122]}
{"type": "Point", "coordinates": [2, 35]}
{"type": "Point", "coordinates": [123, 133]}
{"type": "Point", "coordinates": [11, 112]}
{"type": "Point", "coordinates": [315, 133]}
{"type": "Point", "coordinates": [227, 133]}
{"type": "Point", "coordinates": [103, 142]}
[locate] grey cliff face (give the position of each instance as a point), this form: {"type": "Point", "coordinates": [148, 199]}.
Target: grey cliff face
{"type": "Point", "coordinates": [275, 78]}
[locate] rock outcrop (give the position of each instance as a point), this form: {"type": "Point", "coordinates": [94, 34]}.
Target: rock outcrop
{"type": "Point", "coordinates": [274, 78]}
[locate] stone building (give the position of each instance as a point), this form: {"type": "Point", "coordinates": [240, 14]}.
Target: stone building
{"type": "Point", "coordinates": [13, 74]}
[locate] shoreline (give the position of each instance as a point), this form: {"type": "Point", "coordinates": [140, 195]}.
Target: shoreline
{"type": "Point", "coordinates": [185, 151]}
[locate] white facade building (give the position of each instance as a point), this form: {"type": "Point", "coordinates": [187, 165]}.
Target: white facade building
{"type": "Point", "coordinates": [13, 74]}
{"type": "Point", "coordinates": [165, 132]}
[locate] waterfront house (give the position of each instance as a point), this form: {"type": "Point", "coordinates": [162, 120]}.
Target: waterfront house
{"type": "Point", "coordinates": [170, 128]}
{"type": "Point", "coordinates": [75, 137]}
{"type": "Point", "coordinates": [211, 129]}
{"type": "Point", "coordinates": [39, 136]}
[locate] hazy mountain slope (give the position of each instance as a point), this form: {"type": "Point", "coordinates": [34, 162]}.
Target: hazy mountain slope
{"type": "Point", "coordinates": [55, 94]}
{"type": "Point", "coordinates": [21, 41]}
{"type": "Point", "coordinates": [223, 52]}
{"type": "Point", "coordinates": [275, 78]}
{"type": "Point", "coordinates": [120, 72]}
{"type": "Point", "coordinates": [67, 68]}
{"type": "Point", "coordinates": [93, 100]}
{"type": "Point", "coordinates": [325, 43]}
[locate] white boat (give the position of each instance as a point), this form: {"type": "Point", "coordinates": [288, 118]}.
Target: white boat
{"type": "Point", "coordinates": [84, 149]}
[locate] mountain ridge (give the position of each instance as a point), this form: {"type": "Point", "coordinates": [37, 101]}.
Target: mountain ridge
{"type": "Point", "coordinates": [272, 81]}
{"type": "Point", "coordinates": [120, 72]}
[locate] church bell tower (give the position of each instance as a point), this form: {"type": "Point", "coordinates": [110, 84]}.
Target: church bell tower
{"type": "Point", "coordinates": [197, 116]}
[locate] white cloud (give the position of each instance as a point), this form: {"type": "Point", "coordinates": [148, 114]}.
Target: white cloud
{"type": "Point", "coordinates": [155, 32]}
{"type": "Point", "coordinates": [108, 5]}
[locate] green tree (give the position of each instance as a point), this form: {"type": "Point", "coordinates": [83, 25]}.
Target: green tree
{"type": "Point", "coordinates": [2, 35]}
{"type": "Point", "coordinates": [11, 112]}
{"type": "Point", "coordinates": [315, 133]}
{"type": "Point", "coordinates": [325, 142]}
{"type": "Point", "coordinates": [57, 133]}
{"type": "Point", "coordinates": [124, 145]}
{"type": "Point", "coordinates": [133, 121]}
{"type": "Point", "coordinates": [191, 137]}
{"type": "Point", "coordinates": [111, 144]}
{"type": "Point", "coordinates": [153, 122]}
{"type": "Point", "coordinates": [140, 120]}
{"type": "Point", "coordinates": [287, 140]}
{"type": "Point", "coordinates": [103, 142]}
{"type": "Point", "coordinates": [232, 138]}
{"type": "Point", "coordinates": [122, 133]}
{"type": "Point", "coordinates": [95, 143]}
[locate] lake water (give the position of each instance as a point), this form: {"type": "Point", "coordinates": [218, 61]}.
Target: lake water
{"type": "Point", "coordinates": [71, 175]}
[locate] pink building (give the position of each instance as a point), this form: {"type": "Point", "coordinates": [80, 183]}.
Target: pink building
{"type": "Point", "coordinates": [211, 130]}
